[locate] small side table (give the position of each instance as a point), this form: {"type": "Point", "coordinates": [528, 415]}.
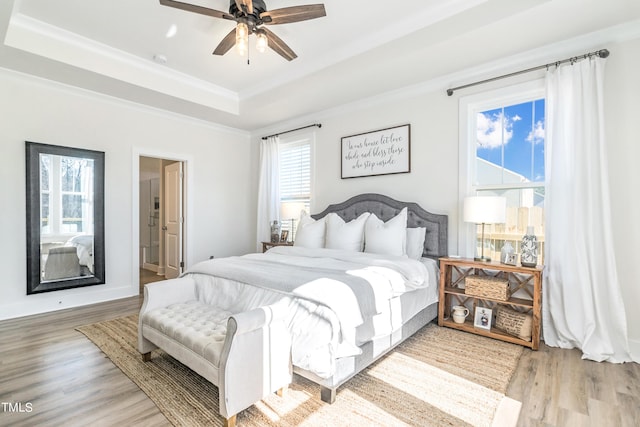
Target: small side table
{"type": "Point", "coordinates": [268, 245]}
{"type": "Point", "coordinates": [527, 280]}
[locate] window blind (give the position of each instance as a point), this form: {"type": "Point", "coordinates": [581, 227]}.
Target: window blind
{"type": "Point", "coordinates": [295, 178]}
{"type": "Point", "coordinates": [295, 171]}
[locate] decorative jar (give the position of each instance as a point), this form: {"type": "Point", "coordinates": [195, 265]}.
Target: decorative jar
{"type": "Point", "coordinates": [275, 232]}
{"type": "Point", "coordinates": [529, 249]}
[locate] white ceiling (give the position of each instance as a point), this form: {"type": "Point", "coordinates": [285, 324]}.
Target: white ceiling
{"type": "Point", "coordinates": [359, 50]}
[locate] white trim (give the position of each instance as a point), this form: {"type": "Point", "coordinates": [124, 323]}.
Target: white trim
{"type": "Point", "coordinates": [114, 100]}
{"type": "Point", "coordinates": [401, 26]}
{"type": "Point", "coordinates": [542, 55]}
{"type": "Point", "coordinates": [151, 267]}
{"type": "Point", "coordinates": [312, 178]}
{"type": "Point", "coordinates": [67, 298]}
{"type": "Point", "coordinates": [188, 195]}
{"type": "Point", "coordinates": [468, 106]}
{"type": "Point", "coordinates": [38, 37]}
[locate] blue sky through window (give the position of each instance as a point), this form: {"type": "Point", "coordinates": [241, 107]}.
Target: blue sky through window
{"type": "Point", "coordinates": [512, 137]}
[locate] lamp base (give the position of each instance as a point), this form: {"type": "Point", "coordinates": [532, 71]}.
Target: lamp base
{"type": "Point", "coordinates": [482, 259]}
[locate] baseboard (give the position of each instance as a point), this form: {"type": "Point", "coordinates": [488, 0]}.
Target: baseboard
{"type": "Point", "coordinates": [151, 267]}
{"type": "Point", "coordinates": [69, 298]}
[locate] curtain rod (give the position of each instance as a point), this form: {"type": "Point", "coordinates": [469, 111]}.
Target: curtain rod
{"type": "Point", "coordinates": [293, 130]}
{"type": "Point", "coordinates": [602, 53]}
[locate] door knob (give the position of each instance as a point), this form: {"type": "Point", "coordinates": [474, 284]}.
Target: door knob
{"type": "Point", "coordinates": [164, 228]}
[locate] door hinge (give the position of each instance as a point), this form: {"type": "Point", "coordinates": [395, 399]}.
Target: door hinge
{"type": "Point", "coordinates": [181, 264]}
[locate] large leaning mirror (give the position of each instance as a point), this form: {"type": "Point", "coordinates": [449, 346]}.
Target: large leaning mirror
{"type": "Point", "coordinates": [65, 217]}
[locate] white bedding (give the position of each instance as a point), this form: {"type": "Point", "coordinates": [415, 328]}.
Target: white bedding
{"type": "Point", "coordinates": [84, 245]}
{"type": "Point", "coordinates": [338, 299]}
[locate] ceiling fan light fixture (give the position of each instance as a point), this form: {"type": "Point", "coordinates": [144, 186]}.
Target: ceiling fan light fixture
{"type": "Point", "coordinates": [250, 15]}
{"type": "Point", "coordinates": [242, 38]}
{"type": "Point", "coordinates": [261, 42]}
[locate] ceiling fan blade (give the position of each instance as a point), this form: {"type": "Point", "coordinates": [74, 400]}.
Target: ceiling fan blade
{"type": "Point", "coordinates": [196, 9]}
{"type": "Point", "coordinates": [287, 15]}
{"type": "Point", "coordinates": [279, 46]}
{"type": "Point", "coordinates": [247, 3]}
{"type": "Point", "coordinates": [226, 44]}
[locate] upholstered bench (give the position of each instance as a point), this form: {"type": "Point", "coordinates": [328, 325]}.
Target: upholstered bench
{"type": "Point", "coordinates": [247, 355]}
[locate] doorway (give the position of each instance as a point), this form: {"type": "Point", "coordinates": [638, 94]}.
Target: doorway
{"type": "Point", "coordinates": [161, 219]}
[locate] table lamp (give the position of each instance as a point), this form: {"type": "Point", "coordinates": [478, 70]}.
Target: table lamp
{"type": "Point", "coordinates": [484, 210]}
{"type": "Point", "coordinates": [290, 211]}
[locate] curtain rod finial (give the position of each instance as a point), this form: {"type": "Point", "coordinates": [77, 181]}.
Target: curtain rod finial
{"type": "Point", "coordinates": [449, 92]}
{"type": "Point", "coordinates": [603, 53]}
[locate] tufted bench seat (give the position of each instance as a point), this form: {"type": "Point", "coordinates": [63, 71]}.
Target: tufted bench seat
{"type": "Point", "coordinates": [247, 355]}
{"type": "Point", "coordinates": [199, 327]}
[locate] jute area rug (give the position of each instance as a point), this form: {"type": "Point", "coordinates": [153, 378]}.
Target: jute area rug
{"type": "Point", "coordinates": [438, 377]}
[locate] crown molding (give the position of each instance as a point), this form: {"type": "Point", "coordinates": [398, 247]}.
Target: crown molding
{"type": "Point", "coordinates": [42, 39]}
{"type": "Point", "coordinates": [33, 80]}
{"type": "Point", "coordinates": [393, 30]}
{"type": "Point", "coordinates": [542, 55]}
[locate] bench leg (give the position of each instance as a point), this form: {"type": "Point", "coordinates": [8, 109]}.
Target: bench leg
{"type": "Point", "coordinates": [230, 422]}
{"type": "Point", "coordinates": [328, 394]}
{"type": "Point", "coordinates": [146, 357]}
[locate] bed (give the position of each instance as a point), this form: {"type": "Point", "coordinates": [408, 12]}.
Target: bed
{"type": "Point", "coordinates": [335, 336]}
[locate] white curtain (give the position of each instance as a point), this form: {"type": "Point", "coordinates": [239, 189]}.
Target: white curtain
{"type": "Point", "coordinates": [268, 190]}
{"type": "Point", "coordinates": [582, 300]}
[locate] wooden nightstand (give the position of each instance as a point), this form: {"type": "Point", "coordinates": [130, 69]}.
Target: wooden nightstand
{"type": "Point", "coordinates": [525, 281]}
{"type": "Point", "coordinates": [268, 245]}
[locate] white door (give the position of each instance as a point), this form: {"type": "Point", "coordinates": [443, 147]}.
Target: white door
{"type": "Point", "coordinates": [173, 220]}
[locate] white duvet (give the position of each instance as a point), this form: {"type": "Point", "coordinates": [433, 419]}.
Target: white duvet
{"type": "Point", "coordinates": [333, 294]}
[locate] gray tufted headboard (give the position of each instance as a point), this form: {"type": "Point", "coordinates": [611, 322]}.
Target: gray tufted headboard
{"type": "Point", "coordinates": [385, 208]}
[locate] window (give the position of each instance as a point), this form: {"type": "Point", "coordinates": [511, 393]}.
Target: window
{"type": "Point", "coordinates": [65, 210]}
{"type": "Point", "coordinates": [503, 155]}
{"type": "Point", "coordinates": [295, 178]}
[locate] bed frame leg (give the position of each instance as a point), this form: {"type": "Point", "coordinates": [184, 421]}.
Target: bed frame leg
{"type": "Point", "coordinates": [328, 395]}
{"type": "Point", "coordinates": [146, 357]}
{"type": "Point", "coordinates": [230, 422]}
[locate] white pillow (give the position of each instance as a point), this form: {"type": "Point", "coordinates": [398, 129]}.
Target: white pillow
{"type": "Point", "coordinates": [310, 233]}
{"type": "Point", "coordinates": [415, 242]}
{"type": "Point", "coordinates": [388, 238]}
{"type": "Point", "coordinates": [341, 235]}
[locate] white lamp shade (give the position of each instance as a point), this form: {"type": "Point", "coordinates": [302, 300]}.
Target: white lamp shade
{"type": "Point", "coordinates": [485, 210]}
{"type": "Point", "coordinates": [291, 210]}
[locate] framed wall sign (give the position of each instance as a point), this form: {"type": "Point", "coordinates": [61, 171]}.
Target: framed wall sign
{"type": "Point", "coordinates": [381, 152]}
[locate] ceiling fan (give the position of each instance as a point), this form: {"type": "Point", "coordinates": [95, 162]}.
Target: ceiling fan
{"type": "Point", "coordinates": [251, 16]}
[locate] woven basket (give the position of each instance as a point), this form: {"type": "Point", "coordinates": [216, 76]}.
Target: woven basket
{"type": "Point", "coordinates": [487, 287]}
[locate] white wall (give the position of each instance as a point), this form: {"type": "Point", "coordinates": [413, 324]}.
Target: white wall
{"type": "Point", "coordinates": [622, 110]}
{"type": "Point", "coordinates": [434, 152]}
{"type": "Point", "coordinates": [218, 175]}
{"type": "Point", "coordinates": [223, 173]}
{"type": "Point", "coordinates": [433, 181]}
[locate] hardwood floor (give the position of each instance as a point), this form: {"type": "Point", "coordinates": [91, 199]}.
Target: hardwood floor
{"type": "Point", "coordinates": [148, 276]}
{"type": "Point", "coordinates": [558, 388]}
{"type": "Point", "coordinates": [65, 379]}
{"type": "Point", "coordinates": [51, 375]}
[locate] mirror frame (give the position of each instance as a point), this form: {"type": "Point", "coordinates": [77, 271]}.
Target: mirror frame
{"type": "Point", "coordinates": [34, 284]}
